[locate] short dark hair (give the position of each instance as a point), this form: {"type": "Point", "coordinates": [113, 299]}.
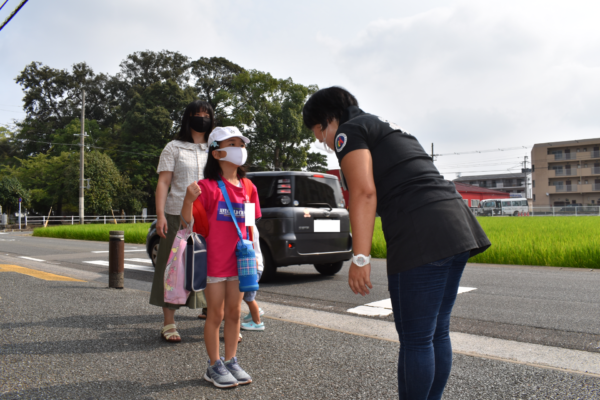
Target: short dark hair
{"type": "Point", "coordinates": [326, 105]}
{"type": "Point", "coordinates": [185, 132]}
{"type": "Point", "coordinates": [212, 169]}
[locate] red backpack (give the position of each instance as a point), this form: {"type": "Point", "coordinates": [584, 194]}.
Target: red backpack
{"type": "Point", "coordinates": [201, 219]}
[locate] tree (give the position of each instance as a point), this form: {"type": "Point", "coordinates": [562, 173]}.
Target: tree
{"type": "Point", "coordinates": [269, 111]}
{"type": "Point", "coordinates": [10, 192]}
{"type": "Point", "coordinates": [214, 82]}
{"type": "Point", "coordinates": [54, 181]}
{"type": "Point", "coordinates": [8, 149]}
{"type": "Point", "coordinates": [316, 162]}
{"type": "Point", "coordinates": [53, 99]}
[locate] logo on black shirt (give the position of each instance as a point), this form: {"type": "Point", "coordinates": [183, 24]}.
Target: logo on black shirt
{"type": "Point", "coordinates": [340, 142]}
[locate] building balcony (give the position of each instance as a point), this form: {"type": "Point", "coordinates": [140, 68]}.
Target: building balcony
{"type": "Point", "coordinates": [582, 155]}
{"type": "Point", "coordinates": [589, 171]}
{"type": "Point", "coordinates": [588, 155]}
{"type": "Point", "coordinates": [563, 172]}
{"type": "Point", "coordinates": [562, 189]}
{"type": "Point", "coordinates": [585, 188]}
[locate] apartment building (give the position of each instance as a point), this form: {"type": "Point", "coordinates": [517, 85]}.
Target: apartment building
{"type": "Point", "coordinates": [515, 184]}
{"type": "Point", "coordinates": [566, 173]}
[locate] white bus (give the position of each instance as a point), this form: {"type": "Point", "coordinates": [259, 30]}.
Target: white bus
{"type": "Point", "coordinates": [492, 207]}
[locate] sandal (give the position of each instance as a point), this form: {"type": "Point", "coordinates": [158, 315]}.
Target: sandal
{"type": "Point", "coordinates": [203, 314]}
{"type": "Point", "coordinates": [171, 337]}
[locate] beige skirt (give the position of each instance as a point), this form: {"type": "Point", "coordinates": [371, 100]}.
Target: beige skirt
{"type": "Point", "coordinates": [196, 299]}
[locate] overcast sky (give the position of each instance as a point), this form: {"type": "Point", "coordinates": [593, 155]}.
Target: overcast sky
{"type": "Point", "coordinates": [466, 75]}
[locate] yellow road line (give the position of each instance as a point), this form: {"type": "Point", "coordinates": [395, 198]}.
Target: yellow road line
{"type": "Point", "coordinates": [36, 273]}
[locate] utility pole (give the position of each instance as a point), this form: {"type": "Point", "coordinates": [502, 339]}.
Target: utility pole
{"type": "Point", "coordinates": [527, 171]}
{"type": "Point", "coordinates": [432, 151]}
{"type": "Point", "coordinates": [81, 154]}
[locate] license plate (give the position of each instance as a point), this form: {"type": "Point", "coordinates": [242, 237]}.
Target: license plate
{"type": "Point", "coordinates": [327, 225]}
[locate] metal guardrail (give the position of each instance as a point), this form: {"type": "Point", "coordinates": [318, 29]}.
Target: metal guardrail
{"type": "Point", "coordinates": [550, 211]}
{"type": "Point", "coordinates": [91, 219]}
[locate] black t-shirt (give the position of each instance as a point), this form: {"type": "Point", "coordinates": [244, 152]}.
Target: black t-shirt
{"type": "Point", "coordinates": [423, 216]}
{"type": "Point", "coordinates": [404, 174]}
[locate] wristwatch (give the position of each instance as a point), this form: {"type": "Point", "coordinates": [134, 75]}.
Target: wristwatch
{"type": "Point", "coordinates": [361, 260]}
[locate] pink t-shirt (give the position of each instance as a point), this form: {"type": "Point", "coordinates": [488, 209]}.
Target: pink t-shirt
{"type": "Point", "coordinates": [223, 237]}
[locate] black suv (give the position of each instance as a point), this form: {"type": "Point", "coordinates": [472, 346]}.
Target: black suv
{"type": "Point", "coordinates": [304, 221]}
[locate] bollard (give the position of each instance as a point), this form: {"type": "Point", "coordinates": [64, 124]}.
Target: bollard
{"type": "Point", "coordinates": [116, 260]}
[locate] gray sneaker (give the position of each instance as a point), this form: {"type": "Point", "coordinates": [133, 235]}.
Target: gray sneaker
{"type": "Point", "coordinates": [238, 373]}
{"type": "Point", "coordinates": [219, 375]}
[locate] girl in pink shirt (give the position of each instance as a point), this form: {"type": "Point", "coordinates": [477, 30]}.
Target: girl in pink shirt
{"type": "Point", "coordinates": [227, 154]}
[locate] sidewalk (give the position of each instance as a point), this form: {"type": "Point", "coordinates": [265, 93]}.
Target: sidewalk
{"type": "Point", "coordinates": [80, 340]}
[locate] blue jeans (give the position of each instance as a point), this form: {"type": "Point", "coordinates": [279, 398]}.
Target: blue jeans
{"type": "Point", "coordinates": [422, 300]}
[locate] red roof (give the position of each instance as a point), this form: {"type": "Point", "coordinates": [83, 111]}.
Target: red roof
{"type": "Point", "coordinates": [464, 188]}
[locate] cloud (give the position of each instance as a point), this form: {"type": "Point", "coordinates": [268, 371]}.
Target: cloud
{"type": "Point", "coordinates": [477, 71]}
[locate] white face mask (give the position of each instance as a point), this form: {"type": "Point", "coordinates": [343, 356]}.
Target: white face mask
{"type": "Point", "coordinates": [327, 148]}
{"type": "Point", "coordinates": [235, 155]}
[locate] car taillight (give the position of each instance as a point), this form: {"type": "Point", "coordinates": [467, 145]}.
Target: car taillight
{"type": "Point", "coordinates": [318, 176]}
{"type": "Point", "coordinates": [284, 186]}
{"type": "Point", "coordinates": [283, 181]}
{"type": "Point", "coordinates": [284, 191]}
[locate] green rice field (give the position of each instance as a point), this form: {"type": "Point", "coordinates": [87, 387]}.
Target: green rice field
{"type": "Point", "coordinates": [544, 241]}
{"type": "Point", "coordinates": [134, 233]}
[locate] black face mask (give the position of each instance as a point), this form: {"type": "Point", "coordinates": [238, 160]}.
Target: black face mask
{"type": "Point", "coordinates": [200, 124]}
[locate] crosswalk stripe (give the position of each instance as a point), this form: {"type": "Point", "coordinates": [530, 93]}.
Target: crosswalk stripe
{"type": "Point", "coordinates": [383, 307]}
{"type": "Point", "coordinates": [127, 266]}
{"type": "Point", "coordinates": [142, 260]}
{"type": "Point", "coordinates": [106, 251]}
{"type": "Point", "coordinates": [32, 259]}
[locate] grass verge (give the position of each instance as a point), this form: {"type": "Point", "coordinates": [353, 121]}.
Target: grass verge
{"type": "Point", "coordinates": [545, 241]}
{"type": "Point", "coordinates": [134, 233]}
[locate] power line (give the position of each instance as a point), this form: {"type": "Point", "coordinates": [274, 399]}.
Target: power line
{"type": "Point", "coordinates": [94, 147]}
{"type": "Point", "coordinates": [2, 6]}
{"type": "Point", "coordinates": [13, 13]}
{"type": "Point", "coordinates": [483, 151]}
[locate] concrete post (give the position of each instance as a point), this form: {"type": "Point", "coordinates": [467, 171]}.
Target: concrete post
{"type": "Point", "coordinates": [116, 260]}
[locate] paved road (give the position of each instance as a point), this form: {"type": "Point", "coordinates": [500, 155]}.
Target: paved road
{"type": "Point", "coordinates": [79, 340]}
{"type": "Point", "coordinates": [542, 305]}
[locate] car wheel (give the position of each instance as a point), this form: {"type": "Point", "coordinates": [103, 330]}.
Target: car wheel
{"type": "Point", "coordinates": [270, 268]}
{"type": "Point", "coordinates": [329, 269]}
{"type": "Point", "coordinates": [154, 250]}
{"type": "Point", "coordinates": [516, 214]}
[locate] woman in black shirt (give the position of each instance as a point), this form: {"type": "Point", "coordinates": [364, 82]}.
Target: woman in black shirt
{"type": "Point", "coordinates": [430, 232]}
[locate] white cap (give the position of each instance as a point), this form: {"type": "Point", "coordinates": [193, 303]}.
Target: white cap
{"type": "Point", "coordinates": [223, 133]}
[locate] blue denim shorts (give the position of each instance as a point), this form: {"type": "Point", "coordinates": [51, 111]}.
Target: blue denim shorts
{"type": "Point", "coordinates": [250, 296]}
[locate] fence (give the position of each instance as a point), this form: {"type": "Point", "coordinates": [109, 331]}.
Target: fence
{"type": "Point", "coordinates": [74, 219]}
{"type": "Point", "coordinates": [563, 211]}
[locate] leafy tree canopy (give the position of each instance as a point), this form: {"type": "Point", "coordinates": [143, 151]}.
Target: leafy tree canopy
{"type": "Point", "coordinates": [10, 192]}
{"type": "Point", "coordinates": [132, 115]}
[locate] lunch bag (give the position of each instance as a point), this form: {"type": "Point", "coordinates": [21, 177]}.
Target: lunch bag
{"type": "Point", "coordinates": [174, 278]}
{"type": "Point", "coordinates": [195, 261]}
{"type": "Point", "coordinates": [244, 252]}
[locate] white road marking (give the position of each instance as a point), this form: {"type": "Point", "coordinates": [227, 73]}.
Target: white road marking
{"type": "Point", "coordinates": [142, 260]}
{"type": "Point", "coordinates": [127, 266]}
{"type": "Point", "coordinates": [372, 311]}
{"type": "Point", "coordinates": [32, 259]}
{"type": "Point", "coordinates": [384, 307]}
{"type": "Point", "coordinates": [463, 343]}
{"type": "Point", "coordinates": [126, 251]}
